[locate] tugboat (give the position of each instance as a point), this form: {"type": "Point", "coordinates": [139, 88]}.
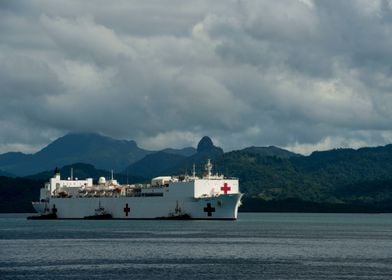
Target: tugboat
{"type": "Point", "coordinates": [177, 215]}
{"type": "Point", "coordinates": [100, 214]}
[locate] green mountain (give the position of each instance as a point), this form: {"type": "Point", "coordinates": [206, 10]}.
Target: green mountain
{"type": "Point", "coordinates": [16, 194]}
{"type": "Point", "coordinates": [270, 151]}
{"type": "Point", "coordinates": [7, 174]}
{"type": "Point", "coordinates": [338, 177]}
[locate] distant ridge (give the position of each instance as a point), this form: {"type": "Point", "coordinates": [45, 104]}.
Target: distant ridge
{"type": "Point", "coordinates": [6, 174]}
{"type": "Point", "coordinates": [100, 151]}
{"type": "Point", "coordinates": [13, 158]}
{"type": "Point", "coordinates": [187, 152]}
{"type": "Point", "coordinates": [270, 151]}
{"type": "Point", "coordinates": [164, 163]}
{"type": "Point", "coordinates": [155, 164]}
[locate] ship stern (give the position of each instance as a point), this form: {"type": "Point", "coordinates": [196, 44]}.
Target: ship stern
{"type": "Point", "coordinates": [39, 207]}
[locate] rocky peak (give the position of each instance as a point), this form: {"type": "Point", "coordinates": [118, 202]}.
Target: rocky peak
{"type": "Point", "coordinates": [205, 144]}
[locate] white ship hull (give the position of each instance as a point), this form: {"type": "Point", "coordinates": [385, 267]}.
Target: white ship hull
{"type": "Point", "coordinates": [210, 197]}
{"type": "Point", "coordinates": [219, 207]}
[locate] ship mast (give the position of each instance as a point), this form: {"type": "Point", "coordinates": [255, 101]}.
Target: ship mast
{"type": "Point", "coordinates": [194, 171]}
{"type": "Point", "coordinates": [208, 169]}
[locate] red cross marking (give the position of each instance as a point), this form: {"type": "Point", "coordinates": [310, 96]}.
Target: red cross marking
{"type": "Point", "coordinates": [225, 188]}
{"type": "Point", "coordinates": [209, 209]}
{"type": "Point", "coordinates": [126, 209]}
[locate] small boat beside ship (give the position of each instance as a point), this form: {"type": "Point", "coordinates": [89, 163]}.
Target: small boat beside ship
{"type": "Point", "coordinates": [100, 214]}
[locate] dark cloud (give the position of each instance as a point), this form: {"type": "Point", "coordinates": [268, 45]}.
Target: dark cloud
{"type": "Point", "coordinates": [299, 74]}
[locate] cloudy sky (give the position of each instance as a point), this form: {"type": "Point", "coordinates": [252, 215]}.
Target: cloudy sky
{"type": "Point", "coordinates": [301, 74]}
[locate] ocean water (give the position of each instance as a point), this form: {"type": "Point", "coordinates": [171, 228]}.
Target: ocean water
{"type": "Point", "coordinates": [256, 246]}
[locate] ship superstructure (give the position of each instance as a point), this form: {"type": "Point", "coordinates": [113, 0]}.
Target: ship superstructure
{"type": "Point", "coordinates": [211, 196]}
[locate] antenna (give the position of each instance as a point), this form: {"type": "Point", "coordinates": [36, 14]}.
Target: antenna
{"type": "Point", "coordinates": [208, 168]}
{"type": "Point", "coordinates": [112, 174]}
{"type": "Point", "coordinates": [71, 173]}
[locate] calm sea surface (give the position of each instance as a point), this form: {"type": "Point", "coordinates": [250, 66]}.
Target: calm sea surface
{"type": "Point", "coordinates": [257, 246]}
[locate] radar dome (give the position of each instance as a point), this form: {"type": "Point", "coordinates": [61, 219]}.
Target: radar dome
{"type": "Point", "coordinates": [102, 181]}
